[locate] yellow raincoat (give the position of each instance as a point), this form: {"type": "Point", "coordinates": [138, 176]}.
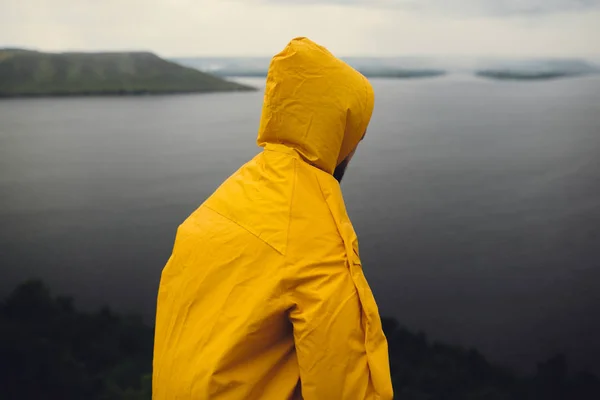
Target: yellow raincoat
{"type": "Point", "coordinates": [264, 296]}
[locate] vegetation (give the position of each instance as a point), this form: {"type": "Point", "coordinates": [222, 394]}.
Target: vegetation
{"type": "Point", "coordinates": [423, 370]}
{"type": "Point", "coordinates": [49, 350]}
{"type": "Point", "coordinates": [32, 73]}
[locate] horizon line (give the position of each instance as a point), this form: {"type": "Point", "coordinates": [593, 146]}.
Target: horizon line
{"type": "Point", "coordinates": [595, 57]}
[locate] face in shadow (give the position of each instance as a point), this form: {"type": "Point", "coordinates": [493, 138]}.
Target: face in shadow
{"type": "Point", "coordinates": [340, 170]}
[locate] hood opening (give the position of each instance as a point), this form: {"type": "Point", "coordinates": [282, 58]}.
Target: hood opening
{"type": "Point", "coordinates": [315, 104]}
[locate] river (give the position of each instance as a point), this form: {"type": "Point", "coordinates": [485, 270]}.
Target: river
{"type": "Point", "coordinates": [477, 203]}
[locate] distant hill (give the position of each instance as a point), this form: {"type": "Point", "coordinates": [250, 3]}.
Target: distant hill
{"type": "Point", "coordinates": [228, 66]}
{"type": "Point", "coordinates": [258, 67]}
{"type": "Point", "coordinates": [413, 67]}
{"type": "Point", "coordinates": [524, 75]}
{"type": "Point", "coordinates": [538, 69]}
{"type": "Point", "coordinates": [32, 73]}
{"type": "Point", "coordinates": [401, 73]}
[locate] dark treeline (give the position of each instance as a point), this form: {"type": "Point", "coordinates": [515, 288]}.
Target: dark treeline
{"type": "Point", "coordinates": [49, 350]}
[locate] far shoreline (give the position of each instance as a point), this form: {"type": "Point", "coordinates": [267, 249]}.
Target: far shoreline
{"type": "Point", "coordinates": [4, 96]}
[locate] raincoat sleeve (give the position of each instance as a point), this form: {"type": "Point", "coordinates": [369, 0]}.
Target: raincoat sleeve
{"type": "Point", "coordinates": [330, 338]}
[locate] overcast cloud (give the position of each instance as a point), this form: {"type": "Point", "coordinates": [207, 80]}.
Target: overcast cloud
{"type": "Point", "coordinates": [465, 7]}
{"type": "Point", "coordinates": [351, 27]}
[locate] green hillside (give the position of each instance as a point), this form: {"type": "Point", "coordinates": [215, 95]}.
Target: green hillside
{"type": "Point", "coordinates": [32, 73]}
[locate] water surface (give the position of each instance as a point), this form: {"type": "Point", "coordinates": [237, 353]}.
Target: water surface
{"type": "Point", "coordinates": [477, 203]}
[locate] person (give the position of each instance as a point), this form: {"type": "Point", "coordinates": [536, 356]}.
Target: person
{"type": "Point", "coordinates": [264, 295]}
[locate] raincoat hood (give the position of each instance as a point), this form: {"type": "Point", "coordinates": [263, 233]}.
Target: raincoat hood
{"type": "Point", "coordinates": [315, 104]}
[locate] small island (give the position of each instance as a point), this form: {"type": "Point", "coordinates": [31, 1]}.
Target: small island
{"type": "Point", "coordinates": [401, 73]}
{"type": "Point", "coordinates": [525, 75]}
{"type": "Point", "coordinates": [33, 73]}
{"type": "Point", "coordinates": [537, 69]}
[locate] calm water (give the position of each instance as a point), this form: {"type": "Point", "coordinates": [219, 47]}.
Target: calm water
{"type": "Point", "coordinates": [477, 203]}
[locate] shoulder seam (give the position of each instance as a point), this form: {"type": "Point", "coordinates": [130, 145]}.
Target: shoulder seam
{"type": "Point", "coordinates": [244, 228]}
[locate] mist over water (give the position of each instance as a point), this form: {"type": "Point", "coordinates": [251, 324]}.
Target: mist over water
{"type": "Point", "coordinates": [477, 203]}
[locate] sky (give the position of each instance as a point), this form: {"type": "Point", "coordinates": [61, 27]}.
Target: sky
{"type": "Point", "coordinates": [177, 28]}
